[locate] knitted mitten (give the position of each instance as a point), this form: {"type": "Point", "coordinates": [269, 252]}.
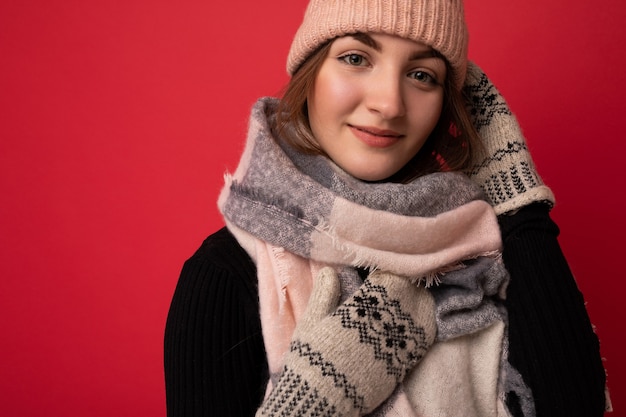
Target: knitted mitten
{"type": "Point", "coordinates": [505, 169]}
{"type": "Point", "coordinates": [346, 360]}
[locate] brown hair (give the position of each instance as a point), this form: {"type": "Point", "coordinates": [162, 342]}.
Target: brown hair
{"type": "Point", "coordinates": [292, 109]}
{"type": "Point", "coordinates": [449, 147]}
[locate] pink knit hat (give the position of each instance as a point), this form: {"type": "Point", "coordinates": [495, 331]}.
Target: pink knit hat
{"type": "Point", "coordinates": [439, 24]}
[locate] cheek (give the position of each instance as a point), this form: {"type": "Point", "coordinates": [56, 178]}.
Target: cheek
{"type": "Point", "coordinates": [427, 112]}
{"type": "Point", "coordinates": [437, 110]}
{"type": "Point", "coordinates": [332, 97]}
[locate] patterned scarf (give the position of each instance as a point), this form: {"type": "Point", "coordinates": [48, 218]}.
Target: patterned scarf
{"type": "Point", "coordinates": [296, 213]}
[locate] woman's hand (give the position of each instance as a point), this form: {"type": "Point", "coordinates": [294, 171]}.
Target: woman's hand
{"type": "Point", "coordinates": [346, 360]}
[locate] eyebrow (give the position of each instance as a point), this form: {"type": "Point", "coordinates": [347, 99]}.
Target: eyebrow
{"type": "Point", "coordinates": [366, 39]}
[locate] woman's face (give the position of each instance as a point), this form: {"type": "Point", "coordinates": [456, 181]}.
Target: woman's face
{"type": "Point", "coordinates": [374, 102]}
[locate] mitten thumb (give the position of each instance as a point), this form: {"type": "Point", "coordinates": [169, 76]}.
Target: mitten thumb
{"type": "Point", "coordinates": [324, 299]}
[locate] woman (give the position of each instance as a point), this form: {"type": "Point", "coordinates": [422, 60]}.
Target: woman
{"type": "Point", "coordinates": [388, 248]}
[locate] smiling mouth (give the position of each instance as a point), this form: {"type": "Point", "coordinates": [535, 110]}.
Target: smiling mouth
{"type": "Point", "coordinates": [378, 132]}
{"type": "Point", "coordinates": [374, 137]}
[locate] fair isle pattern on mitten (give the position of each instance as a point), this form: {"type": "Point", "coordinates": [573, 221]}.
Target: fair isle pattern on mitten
{"type": "Point", "coordinates": [504, 169]}
{"type": "Point", "coordinates": [340, 380]}
{"type": "Point", "coordinates": [381, 323]}
{"type": "Point", "coordinates": [295, 397]}
{"type": "Point", "coordinates": [346, 360]}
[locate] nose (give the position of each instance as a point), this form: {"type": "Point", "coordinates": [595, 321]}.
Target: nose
{"type": "Point", "coordinates": [385, 96]}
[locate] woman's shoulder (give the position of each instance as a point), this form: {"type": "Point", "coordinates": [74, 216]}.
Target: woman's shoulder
{"type": "Point", "coordinates": [221, 246]}
{"type": "Point", "coordinates": [221, 257]}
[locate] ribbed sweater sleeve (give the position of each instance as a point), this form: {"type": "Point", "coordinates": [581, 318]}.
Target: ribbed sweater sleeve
{"type": "Point", "coordinates": [552, 343]}
{"type": "Point", "coordinates": [214, 355]}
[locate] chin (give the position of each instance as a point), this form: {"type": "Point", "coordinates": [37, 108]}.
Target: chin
{"type": "Point", "coordinates": [372, 176]}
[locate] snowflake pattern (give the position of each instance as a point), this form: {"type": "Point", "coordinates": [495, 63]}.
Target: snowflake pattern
{"type": "Point", "coordinates": [486, 102]}
{"type": "Point", "coordinates": [383, 325]}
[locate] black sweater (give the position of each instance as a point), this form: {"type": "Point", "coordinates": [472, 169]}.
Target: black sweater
{"type": "Point", "coordinates": [215, 361]}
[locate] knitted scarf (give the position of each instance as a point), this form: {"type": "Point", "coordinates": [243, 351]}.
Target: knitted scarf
{"type": "Point", "coordinates": [295, 213]}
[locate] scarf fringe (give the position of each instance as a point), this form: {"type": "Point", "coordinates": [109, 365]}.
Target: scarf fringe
{"type": "Point", "coordinates": [360, 259]}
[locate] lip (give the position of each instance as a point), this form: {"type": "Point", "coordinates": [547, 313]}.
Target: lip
{"type": "Point", "coordinates": [375, 137]}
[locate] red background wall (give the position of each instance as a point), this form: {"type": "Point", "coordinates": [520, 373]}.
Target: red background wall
{"type": "Point", "coordinates": [118, 119]}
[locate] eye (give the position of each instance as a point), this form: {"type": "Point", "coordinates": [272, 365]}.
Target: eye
{"type": "Point", "coordinates": [423, 77]}
{"type": "Point", "coordinates": [353, 59]}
